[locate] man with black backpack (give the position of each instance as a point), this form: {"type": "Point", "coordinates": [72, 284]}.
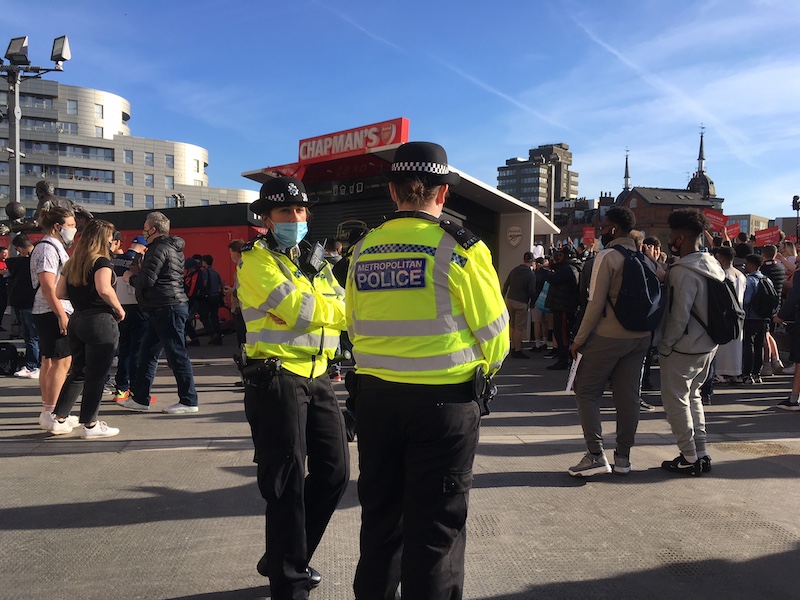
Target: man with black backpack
{"type": "Point", "coordinates": [609, 349]}
{"type": "Point", "coordinates": [687, 347]}
{"type": "Point", "coordinates": [20, 296]}
{"type": "Point", "coordinates": [761, 302]}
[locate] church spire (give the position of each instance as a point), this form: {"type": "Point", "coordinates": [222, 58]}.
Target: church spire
{"type": "Point", "coordinates": [701, 157]}
{"type": "Point", "coordinates": [627, 173]}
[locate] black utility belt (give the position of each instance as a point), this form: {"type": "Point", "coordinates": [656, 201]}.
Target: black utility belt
{"type": "Point", "coordinates": [260, 370]}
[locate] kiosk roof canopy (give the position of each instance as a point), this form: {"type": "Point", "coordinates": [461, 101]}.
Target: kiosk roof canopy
{"type": "Point", "coordinates": [470, 188]}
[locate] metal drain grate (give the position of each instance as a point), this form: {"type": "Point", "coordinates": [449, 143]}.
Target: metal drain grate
{"type": "Point", "coordinates": [483, 526]}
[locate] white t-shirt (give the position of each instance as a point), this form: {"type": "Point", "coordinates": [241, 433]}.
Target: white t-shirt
{"type": "Point", "coordinates": [48, 256]}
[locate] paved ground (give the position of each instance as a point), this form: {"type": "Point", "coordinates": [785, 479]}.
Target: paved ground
{"type": "Point", "coordinates": [170, 509]}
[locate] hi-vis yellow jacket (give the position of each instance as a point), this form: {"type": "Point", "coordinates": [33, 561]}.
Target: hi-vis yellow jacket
{"type": "Point", "coordinates": [312, 311]}
{"type": "Point", "coordinates": [422, 306]}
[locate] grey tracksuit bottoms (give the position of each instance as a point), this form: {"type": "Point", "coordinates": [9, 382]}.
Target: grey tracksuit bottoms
{"type": "Point", "coordinates": [620, 360]}
{"type": "Point", "coordinates": [681, 378]}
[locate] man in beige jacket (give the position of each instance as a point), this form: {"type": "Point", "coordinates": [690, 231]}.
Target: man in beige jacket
{"type": "Point", "coordinates": [608, 351]}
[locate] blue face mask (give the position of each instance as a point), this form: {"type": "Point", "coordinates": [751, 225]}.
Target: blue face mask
{"type": "Point", "coordinates": [290, 234]}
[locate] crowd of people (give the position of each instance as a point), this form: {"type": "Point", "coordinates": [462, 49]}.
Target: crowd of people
{"type": "Point", "coordinates": [569, 297]}
{"type": "Point", "coordinates": [79, 315]}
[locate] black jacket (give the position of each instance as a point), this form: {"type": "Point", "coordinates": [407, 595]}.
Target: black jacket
{"type": "Point", "coordinates": [563, 294]}
{"type": "Point", "coordinates": [159, 283]}
{"type": "Point", "coordinates": [776, 272]}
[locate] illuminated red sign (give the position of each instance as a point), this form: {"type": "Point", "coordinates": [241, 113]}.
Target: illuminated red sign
{"type": "Point", "coordinates": [352, 142]}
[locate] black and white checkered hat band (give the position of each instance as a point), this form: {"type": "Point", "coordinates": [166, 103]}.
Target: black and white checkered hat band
{"type": "Point", "coordinates": [425, 167]}
{"type": "Point", "coordinates": [282, 198]}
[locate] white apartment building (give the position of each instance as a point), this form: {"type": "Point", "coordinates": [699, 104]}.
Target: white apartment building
{"type": "Point", "coordinates": [79, 139]}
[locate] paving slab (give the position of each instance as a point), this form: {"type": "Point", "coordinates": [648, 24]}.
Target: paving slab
{"type": "Point", "coordinates": [169, 509]}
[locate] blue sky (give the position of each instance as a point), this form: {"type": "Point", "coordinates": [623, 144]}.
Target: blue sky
{"type": "Point", "coordinates": [488, 80]}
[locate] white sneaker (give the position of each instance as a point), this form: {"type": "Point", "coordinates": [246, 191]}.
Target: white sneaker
{"type": "Point", "coordinates": [60, 427]}
{"type": "Point", "coordinates": [33, 374]}
{"type": "Point", "coordinates": [181, 409]}
{"type": "Point", "coordinates": [100, 430]}
{"type": "Point", "coordinates": [46, 420]}
{"type": "Point", "coordinates": [23, 372]}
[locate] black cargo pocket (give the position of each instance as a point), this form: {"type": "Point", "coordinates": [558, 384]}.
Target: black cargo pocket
{"type": "Point", "coordinates": [280, 464]}
{"type": "Point", "coordinates": [451, 514]}
{"type": "Point", "coordinates": [457, 482]}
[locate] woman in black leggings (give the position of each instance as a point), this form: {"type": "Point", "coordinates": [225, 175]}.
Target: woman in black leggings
{"type": "Point", "coordinates": [88, 281]}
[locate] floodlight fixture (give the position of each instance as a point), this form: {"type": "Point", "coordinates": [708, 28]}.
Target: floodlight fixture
{"type": "Point", "coordinates": [61, 51]}
{"type": "Point", "coordinates": [17, 52]}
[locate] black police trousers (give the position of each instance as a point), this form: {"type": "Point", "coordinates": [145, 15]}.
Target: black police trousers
{"type": "Point", "coordinates": [416, 446]}
{"type": "Point", "coordinates": [292, 418]}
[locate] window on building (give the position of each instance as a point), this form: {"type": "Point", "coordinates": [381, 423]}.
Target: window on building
{"type": "Point", "coordinates": [149, 180]}
{"type": "Point", "coordinates": [169, 161]}
{"type": "Point", "coordinates": [128, 157]}
{"type": "Point", "coordinates": [196, 166]}
{"type": "Point", "coordinates": [72, 107]}
{"type": "Point", "coordinates": [128, 177]}
{"type": "Point", "coordinates": [203, 201]}
{"type": "Point", "coordinates": [98, 132]}
{"type": "Point", "coordinates": [149, 161]}
{"type": "Point", "coordinates": [169, 182]}
{"type": "Point", "coordinates": [149, 202]}
{"type": "Point", "coordinates": [198, 182]}
{"type": "Point", "coordinates": [128, 200]}
{"type": "Point", "coordinates": [67, 128]}
{"type": "Point", "coordinates": [98, 111]}
{"type": "Point", "coordinates": [169, 201]}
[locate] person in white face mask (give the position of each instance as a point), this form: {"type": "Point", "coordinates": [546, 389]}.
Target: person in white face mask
{"type": "Point", "coordinates": [51, 315]}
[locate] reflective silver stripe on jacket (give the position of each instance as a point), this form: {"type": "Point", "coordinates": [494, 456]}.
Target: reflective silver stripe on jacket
{"type": "Point", "coordinates": [307, 304]}
{"type": "Point", "coordinates": [416, 365]}
{"type": "Point", "coordinates": [277, 295]}
{"type": "Point", "coordinates": [292, 338]}
{"type": "Point", "coordinates": [493, 329]}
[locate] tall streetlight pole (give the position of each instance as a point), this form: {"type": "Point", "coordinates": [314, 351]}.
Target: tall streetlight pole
{"type": "Point", "coordinates": [18, 70]}
{"type": "Point", "coordinates": [796, 208]}
{"type": "Point", "coordinates": [550, 162]}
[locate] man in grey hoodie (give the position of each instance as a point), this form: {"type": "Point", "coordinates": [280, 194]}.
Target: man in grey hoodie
{"type": "Point", "coordinates": [686, 350]}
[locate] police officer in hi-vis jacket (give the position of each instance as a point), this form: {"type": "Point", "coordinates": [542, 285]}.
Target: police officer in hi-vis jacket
{"type": "Point", "coordinates": [293, 311]}
{"type": "Point", "coordinates": [424, 313]}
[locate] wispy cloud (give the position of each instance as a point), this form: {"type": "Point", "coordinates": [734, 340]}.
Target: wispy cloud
{"type": "Point", "coordinates": [450, 67]}
{"type": "Point", "coordinates": [682, 101]}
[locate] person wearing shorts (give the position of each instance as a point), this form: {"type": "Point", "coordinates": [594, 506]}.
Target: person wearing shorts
{"type": "Point", "coordinates": [519, 291]}
{"type": "Point", "coordinates": [51, 315]}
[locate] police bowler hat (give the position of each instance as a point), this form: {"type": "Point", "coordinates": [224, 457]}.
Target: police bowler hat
{"type": "Point", "coordinates": [425, 161]}
{"type": "Point", "coordinates": [281, 191]}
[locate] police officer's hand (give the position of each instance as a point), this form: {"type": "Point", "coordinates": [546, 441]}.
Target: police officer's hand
{"type": "Point", "coordinates": [276, 318]}
{"type": "Point", "coordinates": [573, 350]}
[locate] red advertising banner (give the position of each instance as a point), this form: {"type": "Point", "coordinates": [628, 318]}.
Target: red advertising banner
{"type": "Point", "coordinates": [352, 142]}
{"type": "Point", "coordinates": [716, 219]}
{"type": "Point", "coordinates": [792, 238]}
{"type": "Point", "coordinates": [588, 236]}
{"type": "Point", "coordinates": [769, 236]}
{"type": "Point", "coordinates": [733, 230]}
